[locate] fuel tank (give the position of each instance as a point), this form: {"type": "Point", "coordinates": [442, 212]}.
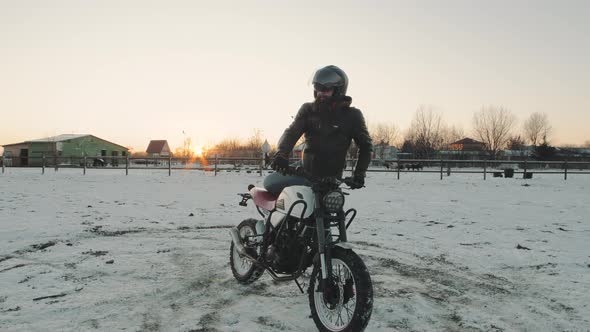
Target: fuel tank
{"type": "Point", "coordinates": [290, 196]}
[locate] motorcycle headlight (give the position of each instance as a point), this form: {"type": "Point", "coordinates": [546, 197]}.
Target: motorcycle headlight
{"type": "Point", "coordinates": [333, 201]}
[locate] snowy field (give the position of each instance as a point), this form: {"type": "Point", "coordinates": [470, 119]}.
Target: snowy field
{"type": "Point", "coordinates": [149, 252]}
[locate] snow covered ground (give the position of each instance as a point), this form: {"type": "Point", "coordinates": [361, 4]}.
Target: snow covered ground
{"type": "Point", "coordinates": [149, 252]}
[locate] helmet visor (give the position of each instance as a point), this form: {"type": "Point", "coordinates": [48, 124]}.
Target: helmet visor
{"type": "Point", "coordinates": [322, 88]}
{"type": "Point", "coordinates": [327, 78]}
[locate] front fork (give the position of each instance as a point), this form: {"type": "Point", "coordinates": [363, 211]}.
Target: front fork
{"type": "Point", "coordinates": [325, 249]}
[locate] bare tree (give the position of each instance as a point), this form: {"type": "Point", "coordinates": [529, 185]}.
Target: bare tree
{"type": "Point", "coordinates": [384, 134]}
{"type": "Point", "coordinates": [587, 144]}
{"type": "Point", "coordinates": [426, 131]}
{"type": "Point", "coordinates": [227, 146]}
{"type": "Point", "coordinates": [255, 141]}
{"type": "Point", "coordinates": [536, 127]}
{"type": "Point", "coordinates": [492, 125]}
{"type": "Point", "coordinates": [186, 150]}
{"type": "Point", "coordinates": [451, 134]}
{"type": "Point", "coordinates": [516, 143]}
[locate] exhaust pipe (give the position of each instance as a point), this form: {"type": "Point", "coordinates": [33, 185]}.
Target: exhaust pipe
{"type": "Point", "coordinates": [235, 236]}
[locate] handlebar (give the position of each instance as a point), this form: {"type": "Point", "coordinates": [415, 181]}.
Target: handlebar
{"type": "Point", "coordinates": [327, 180]}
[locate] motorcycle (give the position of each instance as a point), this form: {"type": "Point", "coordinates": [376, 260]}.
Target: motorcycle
{"type": "Point", "coordinates": [306, 226]}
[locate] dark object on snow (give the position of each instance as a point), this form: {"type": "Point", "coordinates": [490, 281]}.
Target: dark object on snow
{"type": "Point", "coordinates": [527, 175]}
{"type": "Point", "coordinates": [98, 162]}
{"type": "Point", "coordinates": [497, 174]}
{"type": "Point", "coordinates": [13, 267]}
{"type": "Point", "coordinates": [191, 215]}
{"type": "Point", "coordinates": [415, 167]}
{"type": "Point", "coordinates": [49, 297]}
{"type": "Point", "coordinates": [563, 229]}
{"type": "Point", "coordinates": [508, 172]}
{"type": "Point", "coordinates": [41, 246]}
{"type": "Point", "coordinates": [17, 308]}
{"type": "Point", "coordinates": [89, 206]}
{"type": "Point", "coordinates": [110, 262]}
{"type": "Point", "coordinates": [95, 253]}
{"type": "Point", "coordinates": [521, 247]}
{"type": "Point", "coordinates": [526, 185]}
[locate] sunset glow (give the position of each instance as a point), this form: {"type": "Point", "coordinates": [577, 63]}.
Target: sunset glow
{"type": "Point", "coordinates": [216, 69]}
{"type": "Point", "coordinates": [198, 151]}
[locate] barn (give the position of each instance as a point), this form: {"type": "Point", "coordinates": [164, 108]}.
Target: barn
{"type": "Point", "coordinates": [63, 149]}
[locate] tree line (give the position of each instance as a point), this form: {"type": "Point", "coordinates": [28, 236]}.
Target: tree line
{"type": "Point", "coordinates": [494, 126]}
{"type": "Point", "coordinates": [428, 133]}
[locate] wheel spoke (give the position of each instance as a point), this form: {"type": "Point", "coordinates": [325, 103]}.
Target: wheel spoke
{"type": "Point", "coordinates": [340, 317]}
{"type": "Point", "coordinates": [348, 313]}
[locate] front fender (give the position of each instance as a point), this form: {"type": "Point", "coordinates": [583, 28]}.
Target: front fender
{"type": "Point", "coordinates": [344, 245]}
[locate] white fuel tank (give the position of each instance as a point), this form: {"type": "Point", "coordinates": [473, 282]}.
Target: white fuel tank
{"type": "Point", "coordinates": [289, 196]}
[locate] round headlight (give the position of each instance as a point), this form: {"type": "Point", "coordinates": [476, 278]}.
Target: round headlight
{"type": "Point", "coordinates": [333, 201]}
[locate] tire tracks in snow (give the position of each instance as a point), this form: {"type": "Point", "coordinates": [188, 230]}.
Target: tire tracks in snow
{"type": "Point", "coordinates": [405, 283]}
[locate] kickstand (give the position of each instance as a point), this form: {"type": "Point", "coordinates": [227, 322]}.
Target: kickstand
{"type": "Point", "coordinates": [298, 285]}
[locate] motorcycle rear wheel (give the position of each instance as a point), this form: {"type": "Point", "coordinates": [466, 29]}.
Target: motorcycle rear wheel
{"type": "Point", "coordinates": [349, 304]}
{"type": "Point", "coordinates": [245, 271]}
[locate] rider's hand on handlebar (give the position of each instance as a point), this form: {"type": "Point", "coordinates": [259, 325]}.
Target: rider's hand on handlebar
{"type": "Point", "coordinates": [280, 164]}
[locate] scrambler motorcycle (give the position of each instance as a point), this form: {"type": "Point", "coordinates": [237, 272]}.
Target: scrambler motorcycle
{"type": "Point", "coordinates": [306, 226]}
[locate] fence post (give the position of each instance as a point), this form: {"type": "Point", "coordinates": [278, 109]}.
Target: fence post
{"type": "Point", "coordinates": [84, 165]}
{"type": "Point", "coordinates": [169, 165]}
{"type": "Point", "coordinates": [2, 159]}
{"type": "Point", "coordinates": [55, 161]}
{"type": "Point", "coordinates": [127, 164]}
{"type": "Point", "coordinates": [215, 165]}
{"type": "Point", "coordinates": [448, 168]}
{"type": "Point", "coordinates": [261, 162]}
{"type": "Point", "coordinates": [43, 164]}
{"type": "Point", "coordinates": [398, 166]}
{"type": "Point", "coordinates": [485, 163]}
{"type": "Point", "coordinates": [525, 168]}
{"type": "Point", "coordinates": [441, 168]}
{"type": "Point", "coordinates": [565, 171]}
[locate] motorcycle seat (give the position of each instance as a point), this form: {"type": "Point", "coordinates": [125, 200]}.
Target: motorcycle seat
{"type": "Point", "coordinates": [263, 198]}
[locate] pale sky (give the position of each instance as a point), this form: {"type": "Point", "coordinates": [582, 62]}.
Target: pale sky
{"type": "Point", "coordinates": [131, 71]}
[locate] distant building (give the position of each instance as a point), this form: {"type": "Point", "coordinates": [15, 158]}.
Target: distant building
{"type": "Point", "coordinates": [384, 152]}
{"type": "Point", "coordinates": [525, 151]}
{"type": "Point", "coordinates": [158, 148]}
{"type": "Point", "coordinates": [60, 148]}
{"type": "Point", "coordinates": [570, 153]}
{"type": "Point", "coordinates": [467, 144]}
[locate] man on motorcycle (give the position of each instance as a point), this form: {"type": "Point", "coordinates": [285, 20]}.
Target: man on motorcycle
{"type": "Point", "coordinates": [329, 124]}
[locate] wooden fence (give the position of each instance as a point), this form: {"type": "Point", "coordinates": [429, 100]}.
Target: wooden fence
{"type": "Point", "coordinates": [524, 168]}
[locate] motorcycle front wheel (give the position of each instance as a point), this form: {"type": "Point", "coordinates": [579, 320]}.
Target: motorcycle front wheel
{"type": "Point", "coordinates": [245, 271]}
{"type": "Point", "coordinates": [347, 302]}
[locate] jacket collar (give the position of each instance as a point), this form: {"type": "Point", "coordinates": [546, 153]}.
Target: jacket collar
{"type": "Point", "coordinates": [337, 103]}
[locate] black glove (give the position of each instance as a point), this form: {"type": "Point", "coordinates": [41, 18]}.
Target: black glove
{"type": "Point", "coordinates": [357, 181]}
{"type": "Point", "coordinates": [280, 164]}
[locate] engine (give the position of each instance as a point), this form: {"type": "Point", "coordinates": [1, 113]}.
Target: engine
{"type": "Point", "coordinates": [285, 253]}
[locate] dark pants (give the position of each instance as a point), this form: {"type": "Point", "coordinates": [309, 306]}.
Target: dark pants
{"type": "Point", "coordinates": [276, 182]}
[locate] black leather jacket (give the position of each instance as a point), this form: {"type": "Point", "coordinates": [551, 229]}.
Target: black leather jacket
{"type": "Point", "coordinates": [328, 134]}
